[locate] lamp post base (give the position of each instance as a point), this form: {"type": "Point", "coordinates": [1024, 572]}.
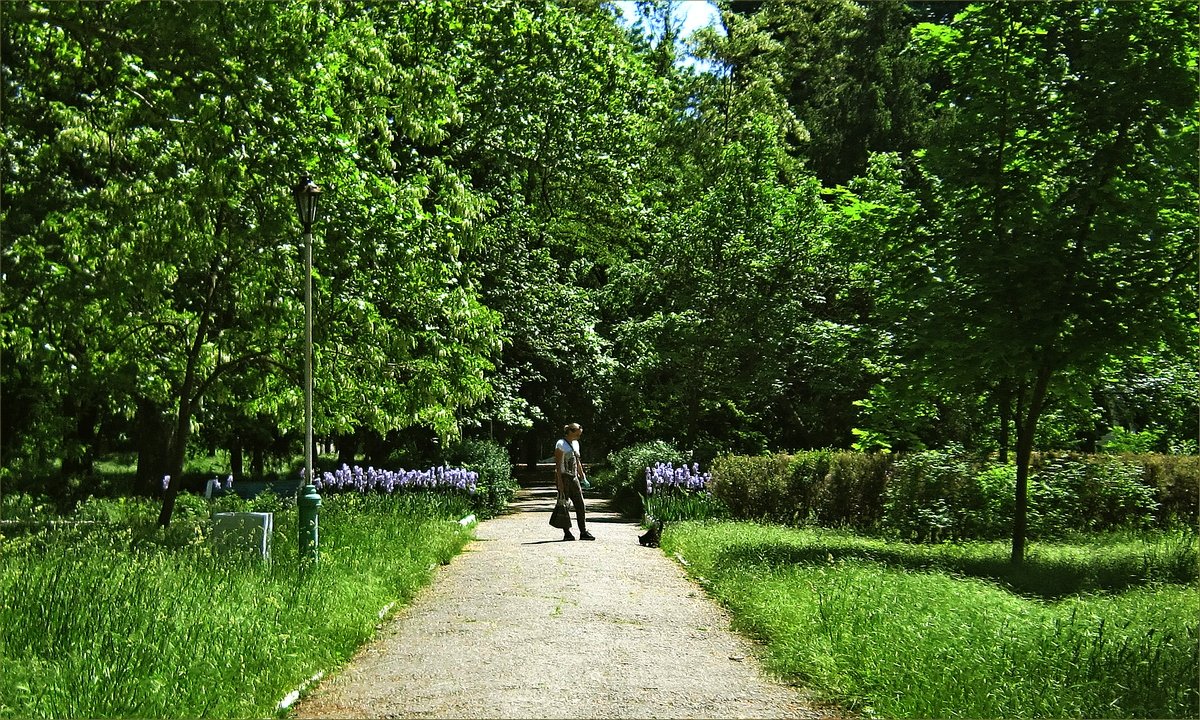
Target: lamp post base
{"type": "Point", "coordinates": [310, 509]}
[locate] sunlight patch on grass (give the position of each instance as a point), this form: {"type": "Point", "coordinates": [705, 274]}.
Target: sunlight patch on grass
{"type": "Point", "coordinates": [905, 630]}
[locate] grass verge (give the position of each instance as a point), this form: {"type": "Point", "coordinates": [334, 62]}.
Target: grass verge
{"type": "Point", "coordinates": [108, 622]}
{"type": "Point", "coordinates": [917, 631]}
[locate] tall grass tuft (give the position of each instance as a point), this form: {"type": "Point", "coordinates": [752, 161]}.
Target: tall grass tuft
{"type": "Point", "coordinates": [124, 621]}
{"type": "Point", "coordinates": [682, 505]}
{"type": "Point", "coordinates": [913, 631]}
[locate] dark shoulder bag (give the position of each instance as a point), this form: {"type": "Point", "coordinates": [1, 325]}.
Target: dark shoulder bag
{"type": "Point", "coordinates": [561, 517]}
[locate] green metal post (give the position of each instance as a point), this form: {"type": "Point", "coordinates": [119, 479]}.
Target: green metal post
{"type": "Point", "coordinates": [310, 510]}
{"type": "Point", "coordinates": [309, 502]}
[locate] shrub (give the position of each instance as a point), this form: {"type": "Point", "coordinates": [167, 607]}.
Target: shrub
{"type": "Point", "coordinates": [940, 494]}
{"type": "Point", "coordinates": [496, 486]}
{"type": "Point", "coordinates": [1176, 483]}
{"type": "Point", "coordinates": [852, 491]}
{"type": "Point", "coordinates": [625, 478]}
{"type": "Point", "coordinates": [1121, 441]}
{"type": "Point", "coordinates": [921, 500]}
{"type": "Point", "coordinates": [757, 487]}
{"type": "Point", "coordinates": [1077, 492]}
{"type": "Point", "coordinates": [988, 503]}
{"type": "Point", "coordinates": [113, 511]}
{"type": "Point", "coordinates": [628, 465]}
{"type": "Point", "coordinates": [808, 484]}
{"type": "Point", "coordinates": [270, 501]}
{"type": "Point", "coordinates": [190, 508]}
{"type": "Point", "coordinates": [23, 506]}
{"type": "Point", "coordinates": [817, 486]}
{"type": "Point", "coordinates": [943, 494]}
{"type": "Point", "coordinates": [232, 502]}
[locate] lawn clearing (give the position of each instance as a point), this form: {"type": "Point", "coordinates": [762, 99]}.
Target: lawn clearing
{"type": "Point", "coordinates": [903, 630]}
{"type": "Point", "coordinates": [107, 624]}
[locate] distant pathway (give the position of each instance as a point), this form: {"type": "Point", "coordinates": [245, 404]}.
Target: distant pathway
{"type": "Point", "coordinates": [522, 625]}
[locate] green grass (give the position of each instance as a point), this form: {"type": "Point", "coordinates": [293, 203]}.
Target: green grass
{"type": "Point", "coordinates": [126, 621]}
{"type": "Point", "coordinates": [681, 505]}
{"type": "Point", "coordinates": [908, 631]}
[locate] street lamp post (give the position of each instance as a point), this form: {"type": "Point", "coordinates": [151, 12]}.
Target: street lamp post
{"type": "Point", "coordinates": [309, 502]}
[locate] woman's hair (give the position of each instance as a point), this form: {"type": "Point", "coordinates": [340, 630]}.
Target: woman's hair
{"type": "Point", "coordinates": [571, 427]}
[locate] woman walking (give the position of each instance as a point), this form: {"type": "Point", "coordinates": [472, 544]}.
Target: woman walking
{"type": "Point", "coordinates": [568, 474]}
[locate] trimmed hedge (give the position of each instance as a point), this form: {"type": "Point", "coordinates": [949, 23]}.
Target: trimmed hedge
{"type": "Point", "coordinates": [850, 492]}
{"type": "Point", "coordinates": [1176, 483]}
{"type": "Point", "coordinates": [759, 488]}
{"type": "Point", "coordinates": [948, 494]}
{"type": "Point", "coordinates": [823, 487]}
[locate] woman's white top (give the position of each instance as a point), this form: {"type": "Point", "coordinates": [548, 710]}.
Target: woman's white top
{"type": "Point", "coordinates": [569, 451]}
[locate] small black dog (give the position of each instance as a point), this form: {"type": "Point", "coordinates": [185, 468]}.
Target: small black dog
{"type": "Point", "coordinates": [650, 538]}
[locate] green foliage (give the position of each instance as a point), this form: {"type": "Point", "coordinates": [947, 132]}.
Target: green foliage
{"type": "Point", "coordinates": [628, 465]}
{"type": "Point", "coordinates": [191, 508]}
{"type": "Point", "coordinates": [922, 497]}
{"type": "Point", "coordinates": [147, 200]}
{"type": "Point", "coordinates": [496, 486]}
{"type": "Point", "coordinates": [1119, 441]}
{"type": "Point", "coordinates": [134, 513]}
{"type": "Point", "coordinates": [946, 494]}
{"type": "Point", "coordinates": [911, 631]}
{"type": "Point", "coordinates": [846, 235]}
{"type": "Point", "coordinates": [756, 487]}
{"type": "Point", "coordinates": [270, 501]}
{"type": "Point", "coordinates": [809, 486]}
{"type": "Point", "coordinates": [1060, 213]}
{"type": "Point", "coordinates": [553, 130]}
{"type": "Point", "coordinates": [1176, 481]}
{"type": "Point", "coordinates": [987, 502]}
{"type": "Point", "coordinates": [1151, 391]}
{"type": "Point", "coordinates": [25, 507]}
{"type": "Point", "coordinates": [232, 502]}
{"type": "Point", "coordinates": [624, 478]}
{"type": "Point", "coordinates": [842, 69]}
{"type": "Point", "coordinates": [936, 495]}
{"type": "Point", "coordinates": [849, 494]}
{"type": "Point", "coordinates": [825, 487]}
{"type": "Point", "coordinates": [93, 628]}
{"type": "Point", "coordinates": [1089, 493]}
{"type": "Point", "coordinates": [733, 332]}
{"type": "Point", "coordinates": [676, 506]}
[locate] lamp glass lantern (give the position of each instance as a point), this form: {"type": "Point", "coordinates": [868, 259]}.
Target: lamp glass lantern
{"type": "Point", "coordinates": [306, 194]}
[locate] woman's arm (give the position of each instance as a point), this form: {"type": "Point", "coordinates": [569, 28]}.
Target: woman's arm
{"type": "Point", "coordinates": [558, 469]}
{"type": "Point", "coordinates": [577, 460]}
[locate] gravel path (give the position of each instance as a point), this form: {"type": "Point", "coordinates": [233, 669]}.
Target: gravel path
{"type": "Point", "coordinates": [522, 625]}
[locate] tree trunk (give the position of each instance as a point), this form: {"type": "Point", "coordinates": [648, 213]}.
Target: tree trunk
{"type": "Point", "coordinates": [375, 447]}
{"type": "Point", "coordinates": [258, 462]}
{"type": "Point", "coordinates": [183, 419]}
{"type": "Point", "coordinates": [236, 459]}
{"type": "Point", "coordinates": [1026, 428]}
{"type": "Point", "coordinates": [347, 448]}
{"type": "Point", "coordinates": [153, 440]}
{"type": "Point", "coordinates": [80, 439]}
{"type": "Point", "coordinates": [1006, 400]}
{"type": "Point", "coordinates": [183, 431]}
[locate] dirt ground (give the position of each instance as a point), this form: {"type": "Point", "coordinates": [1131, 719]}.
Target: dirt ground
{"type": "Point", "coordinates": [523, 625]}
